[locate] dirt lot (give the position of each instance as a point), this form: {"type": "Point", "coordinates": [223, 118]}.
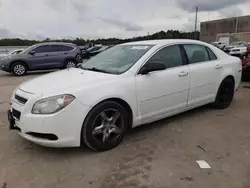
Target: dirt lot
{"type": "Point", "coordinates": [162, 154]}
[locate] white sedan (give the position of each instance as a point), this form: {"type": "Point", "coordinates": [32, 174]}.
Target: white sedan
{"type": "Point", "coordinates": [126, 86]}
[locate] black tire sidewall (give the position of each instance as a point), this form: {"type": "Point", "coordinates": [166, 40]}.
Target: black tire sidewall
{"type": "Point", "coordinates": [87, 126]}
{"type": "Point", "coordinates": [227, 82]}
{"type": "Point", "coordinates": [18, 63]}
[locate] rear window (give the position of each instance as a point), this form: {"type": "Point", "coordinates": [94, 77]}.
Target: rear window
{"type": "Point", "coordinates": [61, 48]}
{"type": "Point", "coordinates": [67, 48]}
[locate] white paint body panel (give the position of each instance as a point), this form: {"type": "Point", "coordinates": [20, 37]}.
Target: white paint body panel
{"type": "Point", "coordinates": [151, 97]}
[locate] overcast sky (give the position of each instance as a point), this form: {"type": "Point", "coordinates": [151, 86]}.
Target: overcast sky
{"type": "Point", "coordinates": [39, 19]}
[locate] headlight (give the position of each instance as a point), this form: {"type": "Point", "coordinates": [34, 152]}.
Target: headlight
{"type": "Point", "coordinates": [52, 105]}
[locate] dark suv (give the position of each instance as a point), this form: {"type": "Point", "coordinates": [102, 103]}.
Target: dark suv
{"type": "Point", "coordinates": [42, 57]}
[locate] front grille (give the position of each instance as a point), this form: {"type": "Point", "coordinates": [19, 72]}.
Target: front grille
{"type": "Point", "coordinates": [16, 114]}
{"type": "Point", "coordinates": [236, 50]}
{"type": "Point", "coordinates": [20, 99]}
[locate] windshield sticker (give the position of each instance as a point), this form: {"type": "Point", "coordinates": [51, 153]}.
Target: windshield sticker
{"type": "Point", "coordinates": [139, 47]}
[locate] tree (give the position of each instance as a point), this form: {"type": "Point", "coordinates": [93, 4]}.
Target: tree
{"type": "Point", "coordinates": [170, 34]}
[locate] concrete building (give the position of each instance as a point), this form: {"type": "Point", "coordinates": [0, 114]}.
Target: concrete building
{"type": "Point", "coordinates": [226, 30]}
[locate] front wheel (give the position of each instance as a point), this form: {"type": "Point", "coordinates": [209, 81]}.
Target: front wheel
{"type": "Point", "coordinates": [225, 94]}
{"type": "Point", "coordinates": [105, 126]}
{"type": "Point", "coordinates": [19, 69]}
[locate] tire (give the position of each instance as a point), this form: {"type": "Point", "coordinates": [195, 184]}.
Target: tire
{"type": "Point", "coordinates": [70, 63]}
{"type": "Point", "coordinates": [225, 94]}
{"type": "Point", "coordinates": [19, 69]}
{"type": "Point", "coordinates": [99, 133]}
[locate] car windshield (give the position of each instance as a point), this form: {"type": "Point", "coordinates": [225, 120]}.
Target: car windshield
{"type": "Point", "coordinates": [118, 59]}
{"type": "Point", "coordinates": [242, 45]}
{"type": "Point", "coordinates": [13, 52]}
{"type": "Point", "coordinates": [234, 44]}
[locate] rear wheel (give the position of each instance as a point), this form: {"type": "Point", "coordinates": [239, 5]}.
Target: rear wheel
{"type": "Point", "coordinates": [105, 126]}
{"type": "Point", "coordinates": [69, 64]}
{"type": "Point", "coordinates": [19, 69]}
{"type": "Point", "coordinates": [225, 94]}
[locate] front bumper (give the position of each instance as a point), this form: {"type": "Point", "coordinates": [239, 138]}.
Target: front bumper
{"type": "Point", "coordinates": [4, 68]}
{"type": "Point", "coordinates": [66, 125]}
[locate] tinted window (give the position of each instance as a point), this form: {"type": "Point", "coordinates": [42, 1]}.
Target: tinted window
{"type": "Point", "coordinates": [169, 56]}
{"type": "Point", "coordinates": [42, 49]}
{"type": "Point", "coordinates": [196, 53]}
{"type": "Point", "coordinates": [67, 48]}
{"type": "Point", "coordinates": [211, 54]}
{"type": "Point", "coordinates": [60, 48]}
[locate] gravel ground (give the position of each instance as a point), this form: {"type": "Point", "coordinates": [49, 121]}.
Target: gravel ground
{"type": "Point", "coordinates": [158, 155]}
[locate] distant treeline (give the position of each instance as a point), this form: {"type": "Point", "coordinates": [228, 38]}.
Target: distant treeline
{"type": "Point", "coordinates": [170, 34]}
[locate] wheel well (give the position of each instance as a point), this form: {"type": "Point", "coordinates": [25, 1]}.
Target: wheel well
{"type": "Point", "coordinates": [126, 106]}
{"type": "Point", "coordinates": [17, 62]}
{"type": "Point", "coordinates": [231, 77]}
{"type": "Point", "coordinates": [70, 59]}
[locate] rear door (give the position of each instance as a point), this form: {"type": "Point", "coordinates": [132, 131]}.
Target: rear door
{"type": "Point", "coordinates": [204, 68]}
{"type": "Point", "coordinates": [41, 58]}
{"type": "Point", "coordinates": [60, 53]}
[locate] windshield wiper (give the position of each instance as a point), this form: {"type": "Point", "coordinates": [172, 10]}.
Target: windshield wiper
{"type": "Point", "coordinates": [95, 69]}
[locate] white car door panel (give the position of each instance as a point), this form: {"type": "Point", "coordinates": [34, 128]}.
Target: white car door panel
{"type": "Point", "coordinates": [204, 72]}
{"type": "Point", "coordinates": [162, 92]}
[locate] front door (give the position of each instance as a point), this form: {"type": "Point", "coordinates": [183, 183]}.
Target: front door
{"type": "Point", "coordinates": [161, 93]}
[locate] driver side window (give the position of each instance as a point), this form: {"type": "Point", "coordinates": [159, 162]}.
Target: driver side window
{"type": "Point", "coordinates": [42, 49]}
{"type": "Point", "coordinates": [170, 56]}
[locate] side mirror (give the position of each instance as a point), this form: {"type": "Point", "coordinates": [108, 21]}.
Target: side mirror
{"type": "Point", "coordinates": [32, 52]}
{"type": "Point", "coordinates": [152, 66]}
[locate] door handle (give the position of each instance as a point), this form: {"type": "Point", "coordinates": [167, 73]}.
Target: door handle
{"type": "Point", "coordinates": [218, 66]}
{"type": "Point", "coordinates": [65, 53]}
{"type": "Point", "coordinates": [47, 55]}
{"type": "Point", "coordinates": [183, 73]}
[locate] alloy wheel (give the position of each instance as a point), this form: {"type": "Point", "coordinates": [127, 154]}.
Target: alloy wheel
{"type": "Point", "coordinates": [19, 69]}
{"type": "Point", "coordinates": [70, 64]}
{"type": "Point", "coordinates": [107, 126]}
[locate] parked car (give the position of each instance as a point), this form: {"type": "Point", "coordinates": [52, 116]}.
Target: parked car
{"type": "Point", "coordinates": [88, 53]}
{"type": "Point", "coordinates": [93, 53]}
{"type": "Point", "coordinates": [219, 45]}
{"type": "Point", "coordinates": [13, 52]}
{"type": "Point", "coordinates": [233, 45]}
{"type": "Point", "coordinates": [246, 69]}
{"type": "Point", "coordinates": [42, 57]}
{"type": "Point", "coordinates": [239, 50]}
{"type": "Point", "coordinates": [126, 86]}
{"type": "Point", "coordinates": [247, 53]}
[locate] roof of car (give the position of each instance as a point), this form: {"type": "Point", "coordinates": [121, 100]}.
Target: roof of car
{"type": "Point", "coordinates": [163, 42]}
{"type": "Point", "coordinates": [54, 43]}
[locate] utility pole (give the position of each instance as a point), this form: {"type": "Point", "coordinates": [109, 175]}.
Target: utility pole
{"type": "Point", "coordinates": [196, 18]}
{"type": "Point", "coordinates": [237, 25]}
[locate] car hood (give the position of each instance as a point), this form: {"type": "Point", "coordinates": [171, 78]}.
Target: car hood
{"type": "Point", "coordinates": [229, 47]}
{"type": "Point", "coordinates": [66, 81]}
{"type": "Point", "coordinates": [239, 48]}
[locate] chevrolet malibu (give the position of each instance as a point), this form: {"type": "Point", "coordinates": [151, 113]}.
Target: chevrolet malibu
{"type": "Point", "coordinates": [126, 86]}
